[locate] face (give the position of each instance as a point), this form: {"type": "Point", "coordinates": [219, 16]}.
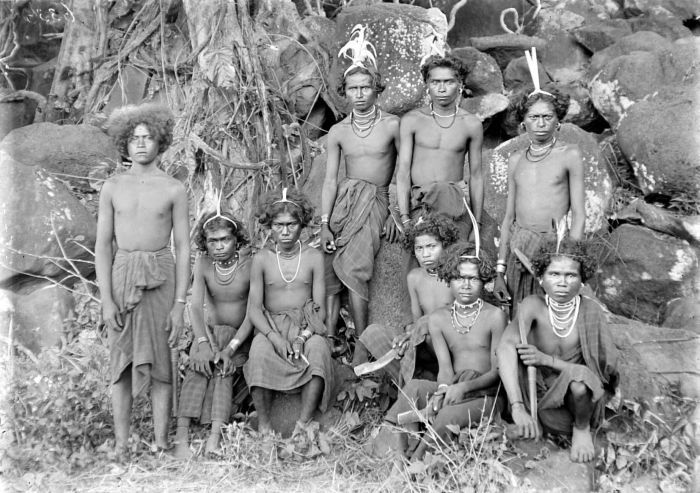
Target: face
{"type": "Point", "coordinates": [427, 250]}
{"type": "Point", "coordinates": [443, 86]}
{"type": "Point", "coordinates": [562, 279]}
{"type": "Point", "coordinates": [142, 146]}
{"type": "Point", "coordinates": [359, 90]}
{"type": "Point", "coordinates": [541, 121]}
{"type": "Point", "coordinates": [467, 287]}
{"type": "Point", "coordinates": [285, 229]}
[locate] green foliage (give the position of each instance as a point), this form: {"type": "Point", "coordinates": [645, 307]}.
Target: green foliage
{"type": "Point", "coordinates": [376, 391]}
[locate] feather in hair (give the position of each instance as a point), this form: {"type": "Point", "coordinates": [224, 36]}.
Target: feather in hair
{"type": "Point", "coordinates": [561, 229]}
{"type": "Point", "coordinates": [359, 50]}
{"type": "Point", "coordinates": [531, 59]}
{"type": "Point", "coordinates": [477, 236]}
{"type": "Point", "coordinates": [218, 212]}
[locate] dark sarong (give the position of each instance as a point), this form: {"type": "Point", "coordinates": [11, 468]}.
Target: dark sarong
{"type": "Point", "coordinates": [596, 367]}
{"type": "Point", "coordinates": [266, 369]}
{"type": "Point", "coordinates": [359, 213]}
{"type": "Point", "coordinates": [211, 399]}
{"type": "Point", "coordinates": [449, 198]}
{"type": "Point", "coordinates": [521, 283]}
{"type": "Point", "coordinates": [143, 287]}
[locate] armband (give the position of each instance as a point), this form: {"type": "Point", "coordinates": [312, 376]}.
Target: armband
{"type": "Point", "coordinates": [324, 218]}
{"type": "Point", "coordinates": [512, 404]}
{"type": "Point", "coordinates": [442, 385]}
{"type": "Point", "coordinates": [202, 339]}
{"type": "Point", "coordinates": [181, 300]}
{"type": "Point", "coordinates": [234, 343]}
{"type": "Point", "coordinates": [500, 268]}
{"type": "Point", "coordinates": [306, 333]}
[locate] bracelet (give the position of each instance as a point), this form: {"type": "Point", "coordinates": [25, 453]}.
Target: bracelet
{"type": "Point", "coordinates": [234, 344]}
{"type": "Point", "coordinates": [324, 218]}
{"type": "Point", "coordinates": [202, 339]}
{"type": "Point", "coordinates": [443, 385]}
{"type": "Point", "coordinates": [512, 404]}
{"type": "Point", "coordinates": [501, 262]}
{"type": "Point", "coordinates": [306, 333]}
{"type": "Point", "coordinates": [181, 300]}
{"type": "Point", "coordinates": [303, 340]}
{"type": "Point", "coordinates": [500, 268]}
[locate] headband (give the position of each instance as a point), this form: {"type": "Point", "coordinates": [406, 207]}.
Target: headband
{"type": "Point", "coordinates": [477, 237]}
{"type": "Point", "coordinates": [534, 72]}
{"type": "Point", "coordinates": [360, 51]}
{"type": "Point", "coordinates": [219, 215]}
{"type": "Point", "coordinates": [285, 199]}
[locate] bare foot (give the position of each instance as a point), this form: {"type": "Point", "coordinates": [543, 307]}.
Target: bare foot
{"type": "Point", "coordinates": [582, 449]}
{"type": "Point", "coordinates": [182, 451]}
{"type": "Point", "coordinates": [212, 446]}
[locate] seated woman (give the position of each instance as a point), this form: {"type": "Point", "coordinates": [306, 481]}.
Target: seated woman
{"type": "Point", "coordinates": [289, 351]}
{"type": "Point", "coordinates": [426, 238]}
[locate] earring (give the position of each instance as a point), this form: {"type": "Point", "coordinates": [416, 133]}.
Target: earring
{"type": "Point", "coordinates": [558, 126]}
{"type": "Point", "coordinates": [540, 281]}
{"type": "Point", "coordinates": [522, 125]}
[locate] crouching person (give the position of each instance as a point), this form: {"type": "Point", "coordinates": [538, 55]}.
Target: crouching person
{"type": "Point", "coordinates": [464, 335]}
{"type": "Point", "coordinates": [220, 347]}
{"type": "Point", "coordinates": [568, 341]}
{"type": "Point", "coordinates": [289, 351]}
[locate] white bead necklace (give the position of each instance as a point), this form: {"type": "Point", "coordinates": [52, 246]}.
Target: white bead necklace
{"type": "Point", "coordinates": [562, 316]}
{"type": "Point", "coordinates": [224, 275]}
{"type": "Point", "coordinates": [470, 318]}
{"type": "Point", "coordinates": [279, 266]}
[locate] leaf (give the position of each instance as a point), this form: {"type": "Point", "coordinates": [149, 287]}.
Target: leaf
{"type": "Point", "coordinates": [417, 467]}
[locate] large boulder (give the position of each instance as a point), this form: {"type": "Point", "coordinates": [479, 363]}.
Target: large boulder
{"type": "Point", "coordinates": [659, 138]}
{"type": "Point", "coordinates": [599, 35]}
{"type": "Point", "coordinates": [682, 9]}
{"type": "Point", "coordinates": [401, 35]}
{"type": "Point", "coordinates": [638, 41]}
{"type": "Point", "coordinates": [642, 270]}
{"type": "Point", "coordinates": [484, 74]}
{"type": "Point", "coordinates": [74, 153]}
{"type": "Point", "coordinates": [43, 224]}
{"type": "Point", "coordinates": [628, 79]}
{"type": "Point", "coordinates": [671, 28]}
{"type": "Point", "coordinates": [683, 313]}
{"type": "Point", "coordinates": [597, 180]}
{"type": "Point", "coordinates": [505, 47]}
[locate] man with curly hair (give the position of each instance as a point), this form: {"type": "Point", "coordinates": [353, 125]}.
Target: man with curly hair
{"type": "Point", "coordinates": [427, 239]}
{"type": "Point", "coordinates": [355, 210]}
{"type": "Point", "coordinates": [142, 287]}
{"type": "Point", "coordinates": [545, 182]}
{"type": "Point", "coordinates": [465, 335]}
{"type": "Point", "coordinates": [286, 305]}
{"type": "Point", "coordinates": [221, 343]}
{"type": "Point", "coordinates": [434, 142]}
{"type": "Point", "coordinates": [568, 340]}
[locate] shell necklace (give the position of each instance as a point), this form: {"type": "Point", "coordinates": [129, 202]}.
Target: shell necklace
{"type": "Point", "coordinates": [365, 122]}
{"type": "Point", "coordinates": [279, 266]}
{"type": "Point", "coordinates": [437, 115]}
{"type": "Point", "coordinates": [536, 154]}
{"type": "Point", "coordinates": [562, 316]}
{"type": "Point", "coordinates": [225, 272]}
{"type": "Point", "coordinates": [469, 318]}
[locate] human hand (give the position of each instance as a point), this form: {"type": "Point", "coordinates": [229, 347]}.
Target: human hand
{"type": "Point", "coordinates": [435, 403]}
{"type": "Point", "coordinates": [176, 321]}
{"type": "Point", "coordinates": [531, 356]}
{"type": "Point", "coordinates": [282, 347]}
{"type": "Point", "coordinates": [201, 358]}
{"type": "Point", "coordinates": [500, 290]}
{"type": "Point", "coordinates": [391, 231]}
{"type": "Point", "coordinates": [526, 426]}
{"type": "Point", "coordinates": [455, 393]}
{"type": "Point", "coordinates": [400, 343]}
{"type": "Point", "coordinates": [298, 347]}
{"type": "Point", "coordinates": [327, 239]}
{"type": "Point", "coordinates": [111, 316]}
{"type": "Point", "coordinates": [226, 358]}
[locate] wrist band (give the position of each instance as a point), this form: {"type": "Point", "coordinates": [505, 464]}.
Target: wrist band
{"type": "Point", "coordinates": [324, 218]}
{"type": "Point", "coordinates": [500, 261]}
{"type": "Point", "coordinates": [181, 300]}
{"type": "Point", "coordinates": [306, 333]}
{"type": "Point", "coordinates": [512, 404]}
{"type": "Point", "coordinates": [442, 385]}
{"type": "Point", "coordinates": [202, 339]}
{"type": "Point", "coordinates": [405, 221]}
{"type": "Point", "coordinates": [500, 268]}
{"type": "Point", "coordinates": [234, 343]}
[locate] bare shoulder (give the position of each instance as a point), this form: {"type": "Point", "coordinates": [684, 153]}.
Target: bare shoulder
{"type": "Point", "coordinates": [389, 118]}
{"type": "Point", "coordinates": [411, 117]}
{"type": "Point", "coordinates": [312, 253]}
{"type": "Point", "coordinates": [202, 264]}
{"type": "Point", "coordinates": [571, 153]}
{"type": "Point", "coordinates": [495, 315]}
{"type": "Point", "coordinates": [437, 318]}
{"type": "Point", "coordinates": [469, 120]}
{"type": "Point", "coordinates": [515, 158]}
{"type": "Point", "coordinates": [414, 276]}
{"type": "Point", "coordinates": [533, 304]}
{"type": "Point", "coordinates": [261, 256]}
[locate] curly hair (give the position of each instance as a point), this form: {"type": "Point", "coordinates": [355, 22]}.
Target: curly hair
{"type": "Point", "coordinates": [297, 204]}
{"type": "Point", "coordinates": [377, 83]}
{"type": "Point", "coordinates": [238, 231]}
{"type": "Point", "coordinates": [453, 257]}
{"type": "Point", "coordinates": [448, 61]}
{"type": "Point", "coordinates": [558, 100]}
{"type": "Point", "coordinates": [157, 117]}
{"type": "Point", "coordinates": [576, 250]}
{"type": "Point", "coordinates": [439, 226]}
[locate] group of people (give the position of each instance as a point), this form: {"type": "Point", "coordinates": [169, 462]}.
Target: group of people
{"type": "Point", "coordinates": [271, 315]}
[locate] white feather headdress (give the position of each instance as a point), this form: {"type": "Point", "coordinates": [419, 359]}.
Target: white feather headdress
{"type": "Point", "coordinates": [359, 50]}
{"type": "Point", "coordinates": [531, 59]}
{"type": "Point", "coordinates": [477, 236]}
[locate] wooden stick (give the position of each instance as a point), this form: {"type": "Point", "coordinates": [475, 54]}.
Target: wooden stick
{"type": "Point", "coordinates": [531, 371]}
{"type": "Point", "coordinates": [174, 357]}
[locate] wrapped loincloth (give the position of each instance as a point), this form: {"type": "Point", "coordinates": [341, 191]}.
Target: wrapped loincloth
{"type": "Point", "coordinates": [210, 399]}
{"type": "Point", "coordinates": [143, 287]}
{"type": "Point", "coordinates": [418, 392]}
{"type": "Point", "coordinates": [266, 369]}
{"type": "Point", "coordinates": [417, 361]}
{"type": "Point", "coordinates": [521, 283]}
{"type": "Point", "coordinates": [359, 213]}
{"type": "Point", "coordinates": [595, 363]}
{"type": "Point", "coordinates": [448, 198]}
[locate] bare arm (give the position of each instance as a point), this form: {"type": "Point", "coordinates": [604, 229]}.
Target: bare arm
{"type": "Point", "coordinates": [476, 175]}
{"type": "Point", "coordinates": [416, 310]}
{"type": "Point", "coordinates": [318, 287]}
{"type": "Point", "coordinates": [500, 290]}
{"type": "Point", "coordinates": [181, 240]}
{"type": "Point", "coordinates": [202, 351]}
{"type": "Point", "coordinates": [403, 170]}
{"type": "Point", "coordinates": [255, 295]}
{"type": "Point", "coordinates": [576, 195]}
{"type": "Point", "coordinates": [442, 352]}
{"type": "Point", "coordinates": [489, 378]}
{"type": "Point", "coordinates": [330, 182]}
{"type": "Point", "coordinates": [104, 257]}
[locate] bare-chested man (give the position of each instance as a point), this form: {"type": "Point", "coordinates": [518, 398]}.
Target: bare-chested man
{"type": "Point", "coordinates": [427, 239]}
{"type": "Point", "coordinates": [465, 335]}
{"type": "Point", "coordinates": [569, 342]}
{"type": "Point", "coordinates": [545, 182]}
{"type": "Point", "coordinates": [142, 288]}
{"type": "Point", "coordinates": [355, 212]}
{"type": "Point", "coordinates": [221, 340]}
{"type": "Point", "coordinates": [290, 351]}
{"type": "Point", "coordinates": [434, 142]}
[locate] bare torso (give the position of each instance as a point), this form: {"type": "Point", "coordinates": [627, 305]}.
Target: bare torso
{"type": "Point", "coordinates": [227, 303]}
{"type": "Point", "coordinates": [143, 219]}
{"type": "Point", "coordinates": [439, 152]}
{"type": "Point", "coordinates": [429, 290]}
{"type": "Point", "coordinates": [471, 351]}
{"type": "Point", "coordinates": [542, 188]}
{"type": "Point", "coordinates": [371, 158]}
{"type": "Point", "coordinates": [280, 295]}
{"type": "Point", "coordinates": [542, 335]}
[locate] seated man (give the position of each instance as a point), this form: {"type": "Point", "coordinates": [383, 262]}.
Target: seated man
{"type": "Point", "coordinates": [464, 335]}
{"type": "Point", "coordinates": [427, 239]}
{"type": "Point", "coordinates": [286, 305]}
{"type": "Point", "coordinates": [222, 276]}
{"type": "Point", "coordinates": [565, 336]}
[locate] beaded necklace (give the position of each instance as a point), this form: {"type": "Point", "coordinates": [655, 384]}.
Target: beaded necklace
{"type": "Point", "coordinates": [470, 318]}
{"type": "Point", "coordinates": [562, 316]}
{"type": "Point", "coordinates": [225, 272]}
{"type": "Point", "coordinates": [279, 266]}
{"type": "Point", "coordinates": [437, 115]}
{"type": "Point", "coordinates": [365, 122]}
{"type": "Point", "coordinates": [536, 154]}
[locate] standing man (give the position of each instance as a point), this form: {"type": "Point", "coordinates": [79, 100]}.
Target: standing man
{"type": "Point", "coordinates": [355, 212]}
{"type": "Point", "coordinates": [142, 288]}
{"type": "Point", "coordinates": [434, 142]}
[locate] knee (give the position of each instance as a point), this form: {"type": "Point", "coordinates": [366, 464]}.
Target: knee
{"type": "Point", "coordinates": [578, 390]}
{"type": "Point", "coordinates": [442, 425]}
